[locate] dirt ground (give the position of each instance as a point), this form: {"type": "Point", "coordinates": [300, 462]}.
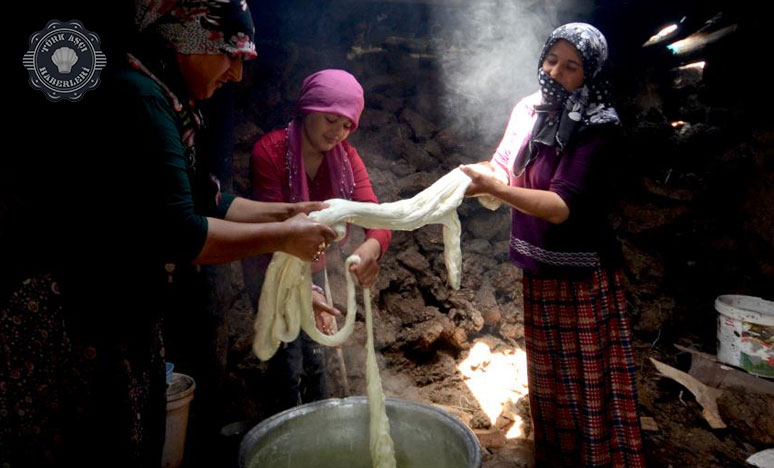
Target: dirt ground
{"type": "Point", "coordinates": [683, 437]}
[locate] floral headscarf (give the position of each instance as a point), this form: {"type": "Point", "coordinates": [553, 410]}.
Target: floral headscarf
{"type": "Point", "coordinates": [194, 27]}
{"type": "Point", "coordinates": [200, 26]}
{"type": "Point", "coordinates": [561, 114]}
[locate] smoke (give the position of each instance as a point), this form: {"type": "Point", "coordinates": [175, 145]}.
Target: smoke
{"type": "Point", "coordinates": [488, 52]}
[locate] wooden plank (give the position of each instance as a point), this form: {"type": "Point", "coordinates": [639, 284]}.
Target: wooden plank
{"type": "Point", "coordinates": [648, 424]}
{"type": "Point", "coordinates": [709, 371]}
{"type": "Point", "coordinates": [706, 396]}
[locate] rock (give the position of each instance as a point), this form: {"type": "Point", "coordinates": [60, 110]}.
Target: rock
{"type": "Point", "coordinates": [418, 158]}
{"type": "Point", "coordinates": [651, 310]}
{"type": "Point", "coordinates": [480, 421]}
{"type": "Point", "coordinates": [373, 119]}
{"type": "Point", "coordinates": [479, 246]}
{"type": "Point", "coordinates": [466, 313]}
{"type": "Point", "coordinates": [247, 133]}
{"type": "Point", "coordinates": [458, 338]}
{"type": "Point", "coordinates": [421, 127]}
{"type": "Point", "coordinates": [414, 260]}
{"type": "Point", "coordinates": [388, 85]}
{"type": "Point", "coordinates": [476, 320]}
{"type": "Point", "coordinates": [490, 438]}
{"type": "Point", "coordinates": [750, 414]}
{"type": "Point", "coordinates": [521, 456]}
{"type": "Point", "coordinates": [414, 183]}
{"type": "Point", "coordinates": [662, 190]}
{"type": "Point", "coordinates": [422, 335]}
{"type": "Point", "coordinates": [488, 225]}
{"type": "Point", "coordinates": [434, 284]}
{"type": "Point", "coordinates": [384, 183]}
{"type": "Point", "coordinates": [430, 239]}
{"type": "Point", "coordinates": [487, 303]}
{"type": "Point", "coordinates": [513, 331]}
{"type": "Point", "coordinates": [406, 44]}
{"type": "Point", "coordinates": [434, 149]}
{"type": "Point", "coordinates": [506, 280]}
{"type": "Point", "coordinates": [242, 184]}
{"type": "Point", "coordinates": [387, 329]}
{"type": "Point", "coordinates": [644, 266]}
{"type": "Point", "coordinates": [447, 140]}
{"type": "Point", "coordinates": [502, 247]}
{"type": "Point", "coordinates": [474, 268]}
{"type": "Point", "coordinates": [638, 218]}
{"type": "Point", "coordinates": [386, 103]}
{"type": "Point", "coordinates": [407, 307]}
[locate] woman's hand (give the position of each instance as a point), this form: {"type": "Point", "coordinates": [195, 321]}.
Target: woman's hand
{"type": "Point", "coordinates": [367, 271]}
{"type": "Point", "coordinates": [324, 314]}
{"type": "Point", "coordinates": [307, 238]}
{"type": "Point", "coordinates": [305, 207]}
{"type": "Point", "coordinates": [482, 177]}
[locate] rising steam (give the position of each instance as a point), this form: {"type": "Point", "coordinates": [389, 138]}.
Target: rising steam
{"type": "Point", "coordinates": [488, 52]}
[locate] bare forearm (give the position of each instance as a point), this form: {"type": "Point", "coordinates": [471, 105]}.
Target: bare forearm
{"type": "Point", "coordinates": [373, 246]}
{"type": "Point", "coordinates": [243, 210]}
{"type": "Point", "coordinates": [542, 204]}
{"type": "Point", "coordinates": [228, 241]}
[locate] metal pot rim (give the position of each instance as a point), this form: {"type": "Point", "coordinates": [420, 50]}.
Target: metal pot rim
{"type": "Point", "coordinates": [267, 425]}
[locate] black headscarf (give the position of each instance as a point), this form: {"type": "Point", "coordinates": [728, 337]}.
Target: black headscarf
{"type": "Point", "coordinates": [561, 114]}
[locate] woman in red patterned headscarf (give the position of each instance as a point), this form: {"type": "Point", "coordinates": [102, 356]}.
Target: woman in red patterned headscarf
{"type": "Point", "coordinates": [82, 378]}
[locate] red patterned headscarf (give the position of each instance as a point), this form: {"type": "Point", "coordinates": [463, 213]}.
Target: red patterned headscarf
{"type": "Point", "coordinates": [200, 26]}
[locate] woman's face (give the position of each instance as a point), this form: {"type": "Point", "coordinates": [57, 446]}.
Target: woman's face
{"type": "Point", "coordinates": [564, 64]}
{"type": "Point", "coordinates": [205, 73]}
{"type": "Point", "coordinates": [324, 130]}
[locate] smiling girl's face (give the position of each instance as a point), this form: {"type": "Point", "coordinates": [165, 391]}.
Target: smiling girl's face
{"type": "Point", "coordinates": [564, 64]}
{"type": "Point", "coordinates": [324, 130]}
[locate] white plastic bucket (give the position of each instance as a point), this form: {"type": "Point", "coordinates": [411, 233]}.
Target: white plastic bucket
{"type": "Point", "coordinates": [179, 395]}
{"type": "Point", "coordinates": [746, 333]}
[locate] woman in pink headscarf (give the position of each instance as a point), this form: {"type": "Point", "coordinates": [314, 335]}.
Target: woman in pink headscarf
{"type": "Point", "coordinates": [311, 160]}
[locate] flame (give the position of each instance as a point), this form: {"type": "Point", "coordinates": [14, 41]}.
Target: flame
{"type": "Point", "coordinates": [496, 379]}
{"type": "Point", "coordinates": [698, 40]}
{"type": "Point", "coordinates": [699, 65]}
{"type": "Point", "coordinates": [661, 35]}
{"type": "Point", "coordinates": [677, 123]}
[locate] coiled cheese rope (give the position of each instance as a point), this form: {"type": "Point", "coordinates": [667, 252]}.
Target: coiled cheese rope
{"type": "Point", "coordinates": [285, 306]}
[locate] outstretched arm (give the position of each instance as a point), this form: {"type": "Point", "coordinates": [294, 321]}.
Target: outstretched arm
{"type": "Point", "coordinates": [228, 241]}
{"type": "Point", "coordinates": [243, 210]}
{"type": "Point", "coordinates": [543, 204]}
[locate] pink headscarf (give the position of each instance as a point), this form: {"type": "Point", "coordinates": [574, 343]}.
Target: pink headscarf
{"type": "Point", "coordinates": [332, 91]}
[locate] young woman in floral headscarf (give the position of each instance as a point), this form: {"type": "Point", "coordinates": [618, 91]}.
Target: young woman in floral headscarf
{"type": "Point", "coordinates": [83, 381]}
{"type": "Point", "coordinates": [548, 167]}
{"type": "Point", "coordinates": [311, 160]}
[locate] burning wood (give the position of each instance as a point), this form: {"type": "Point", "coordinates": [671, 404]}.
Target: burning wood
{"type": "Point", "coordinates": [662, 35]}
{"type": "Point", "coordinates": [699, 40]}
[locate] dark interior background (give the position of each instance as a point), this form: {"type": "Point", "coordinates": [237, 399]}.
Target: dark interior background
{"type": "Point", "coordinates": [693, 204]}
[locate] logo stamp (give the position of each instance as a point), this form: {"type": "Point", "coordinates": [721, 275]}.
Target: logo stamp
{"type": "Point", "coordinates": [64, 60]}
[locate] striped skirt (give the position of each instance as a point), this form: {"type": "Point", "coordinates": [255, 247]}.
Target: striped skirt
{"type": "Point", "coordinates": [582, 389]}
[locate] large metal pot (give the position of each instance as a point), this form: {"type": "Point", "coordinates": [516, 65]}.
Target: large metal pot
{"type": "Point", "coordinates": [334, 434]}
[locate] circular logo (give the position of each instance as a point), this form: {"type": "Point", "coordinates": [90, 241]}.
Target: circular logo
{"type": "Point", "coordinates": [64, 60]}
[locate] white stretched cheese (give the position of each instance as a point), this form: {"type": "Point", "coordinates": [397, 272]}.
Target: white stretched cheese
{"type": "Point", "coordinates": [285, 306]}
